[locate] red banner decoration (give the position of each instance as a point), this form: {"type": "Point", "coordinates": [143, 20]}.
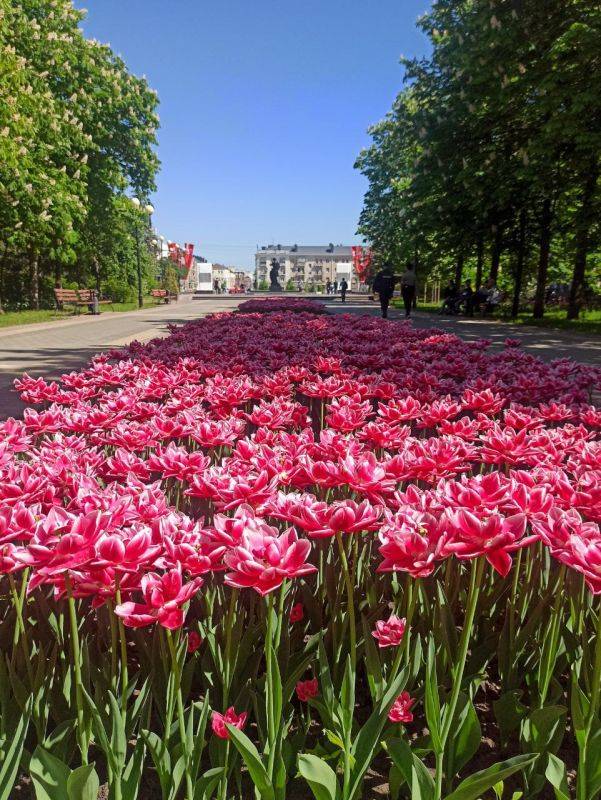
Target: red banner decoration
{"type": "Point", "coordinates": [361, 261]}
{"type": "Point", "coordinates": [182, 258]}
{"type": "Point", "coordinates": [189, 253]}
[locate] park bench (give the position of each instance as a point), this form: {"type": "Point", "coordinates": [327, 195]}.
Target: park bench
{"type": "Point", "coordinates": [162, 295]}
{"type": "Point", "coordinates": [76, 298]}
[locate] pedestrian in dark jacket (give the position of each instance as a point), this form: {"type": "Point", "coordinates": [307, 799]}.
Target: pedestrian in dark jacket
{"type": "Point", "coordinates": [408, 288]}
{"type": "Point", "coordinates": [383, 285]}
{"type": "Point", "coordinates": [343, 289]}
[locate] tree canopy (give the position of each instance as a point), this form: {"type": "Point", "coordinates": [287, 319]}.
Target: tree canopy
{"type": "Point", "coordinates": [488, 161]}
{"type": "Point", "coordinates": [77, 131]}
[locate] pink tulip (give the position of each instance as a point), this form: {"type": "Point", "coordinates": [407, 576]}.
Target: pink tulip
{"type": "Point", "coordinates": [412, 542]}
{"type": "Point", "coordinates": [401, 708]}
{"type": "Point", "coordinates": [263, 560]}
{"type": "Point", "coordinates": [389, 633]}
{"type": "Point", "coordinates": [493, 536]}
{"type": "Point", "coordinates": [164, 595]}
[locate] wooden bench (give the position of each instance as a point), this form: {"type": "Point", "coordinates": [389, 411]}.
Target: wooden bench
{"type": "Point", "coordinates": [76, 297]}
{"type": "Point", "coordinates": [162, 295]}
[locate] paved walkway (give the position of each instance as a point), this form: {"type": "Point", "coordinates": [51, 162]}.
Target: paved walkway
{"type": "Point", "coordinates": [50, 349]}
{"type": "Point", "coordinates": [545, 343]}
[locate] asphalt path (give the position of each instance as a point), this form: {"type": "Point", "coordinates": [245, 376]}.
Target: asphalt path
{"type": "Point", "coordinates": [53, 348]}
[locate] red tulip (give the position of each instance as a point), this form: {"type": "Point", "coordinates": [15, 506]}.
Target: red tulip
{"type": "Point", "coordinates": [219, 721]}
{"type": "Point", "coordinates": [194, 641]}
{"type": "Point", "coordinates": [305, 690]}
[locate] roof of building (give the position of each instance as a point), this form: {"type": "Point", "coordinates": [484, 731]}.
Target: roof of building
{"type": "Point", "coordinates": [307, 250]}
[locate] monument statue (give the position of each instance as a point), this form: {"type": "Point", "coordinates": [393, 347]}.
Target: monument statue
{"type": "Point", "coordinates": [273, 276]}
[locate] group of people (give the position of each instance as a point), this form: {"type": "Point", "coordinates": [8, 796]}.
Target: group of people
{"type": "Point", "coordinates": [463, 299]}
{"type": "Point", "coordinates": [219, 288]}
{"type": "Point", "coordinates": [385, 281]}
{"type": "Point", "coordinates": [333, 287]}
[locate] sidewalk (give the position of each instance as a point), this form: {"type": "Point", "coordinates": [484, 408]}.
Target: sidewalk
{"type": "Point", "coordinates": [546, 343]}
{"type": "Point", "coordinates": [50, 349]}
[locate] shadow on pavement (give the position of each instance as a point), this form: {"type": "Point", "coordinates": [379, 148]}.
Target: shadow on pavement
{"type": "Point", "coordinates": [49, 363]}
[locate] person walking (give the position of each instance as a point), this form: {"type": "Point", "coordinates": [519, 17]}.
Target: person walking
{"type": "Point", "coordinates": [384, 286]}
{"type": "Point", "coordinates": [408, 286]}
{"type": "Point", "coordinates": [343, 288]}
{"type": "Point", "coordinates": [467, 297]}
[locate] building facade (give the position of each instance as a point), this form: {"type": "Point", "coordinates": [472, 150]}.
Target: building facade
{"type": "Point", "coordinates": [243, 280]}
{"type": "Point", "coordinates": [225, 276]}
{"type": "Point", "coordinates": [306, 267]}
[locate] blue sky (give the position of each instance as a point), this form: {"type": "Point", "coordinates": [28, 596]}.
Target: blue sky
{"type": "Point", "coordinates": [264, 107]}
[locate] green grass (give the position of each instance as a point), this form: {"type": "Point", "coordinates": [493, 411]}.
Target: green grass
{"type": "Point", "coordinates": [31, 317]}
{"type": "Point", "coordinates": [149, 302]}
{"type": "Point", "coordinates": [10, 318]}
{"type": "Point", "coordinates": [589, 322]}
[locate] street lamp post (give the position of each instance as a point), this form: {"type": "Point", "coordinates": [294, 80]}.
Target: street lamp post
{"type": "Point", "coordinates": [148, 209]}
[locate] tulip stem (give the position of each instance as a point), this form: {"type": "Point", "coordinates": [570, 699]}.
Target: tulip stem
{"type": "Point", "coordinates": [123, 641]}
{"type": "Point", "coordinates": [81, 734]}
{"type": "Point", "coordinates": [402, 652]}
{"type": "Point", "coordinates": [269, 652]}
{"type": "Point", "coordinates": [349, 581]}
{"type": "Point", "coordinates": [550, 654]}
{"type": "Point", "coordinates": [350, 601]}
{"type": "Point", "coordinates": [477, 572]}
{"type": "Point", "coordinates": [111, 610]}
{"type": "Point", "coordinates": [20, 632]}
{"type": "Point", "coordinates": [596, 685]}
{"type": "Point", "coordinates": [223, 784]}
{"type": "Point", "coordinates": [180, 714]}
{"type": "Point", "coordinates": [227, 666]}
{"type": "Point", "coordinates": [582, 789]}
{"type": "Point", "coordinates": [280, 617]}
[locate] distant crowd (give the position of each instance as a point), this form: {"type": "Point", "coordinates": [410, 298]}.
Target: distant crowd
{"type": "Point", "coordinates": [457, 299]}
{"type": "Point", "coordinates": [333, 287]}
{"type": "Point", "coordinates": [464, 300]}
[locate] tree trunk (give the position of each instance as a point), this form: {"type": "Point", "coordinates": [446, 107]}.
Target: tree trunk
{"type": "Point", "coordinates": [496, 253]}
{"type": "Point", "coordinates": [519, 267]}
{"type": "Point", "coordinates": [96, 268]}
{"type": "Point", "coordinates": [2, 264]}
{"type": "Point", "coordinates": [34, 281]}
{"type": "Point", "coordinates": [583, 227]}
{"type": "Point", "coordinates": [58, 275]}
{"type": "Point", "coordinates": [459, 270]}
{"type": "Point", "coordinates": [415, 267]}
{"type": "Point", "coordinates": [479, 260]}
{"type": "Point", "coordinates": [538, 311]}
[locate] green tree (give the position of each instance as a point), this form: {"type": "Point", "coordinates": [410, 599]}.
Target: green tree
{"type": "Point", "coordinates": [77, 131]}
{"type": "Point", "coordinates": [493, 147]}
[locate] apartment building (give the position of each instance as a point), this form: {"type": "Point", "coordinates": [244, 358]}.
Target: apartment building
{"type": "Point", "coordinates": [225, 276]}
{"type": "Point", "coordinates": [306, 266]}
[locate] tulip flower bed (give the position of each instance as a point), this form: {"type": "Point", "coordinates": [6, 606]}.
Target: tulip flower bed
{"type": "Point", "coordinates": [292, 555]}
{"type": "Point", "coordinates": [270, 305]}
